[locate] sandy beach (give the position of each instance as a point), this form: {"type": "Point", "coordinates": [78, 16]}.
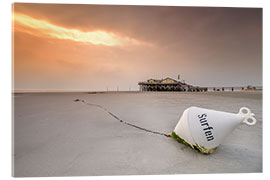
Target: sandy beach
{"type": "Point", "coordinates": [57, 136]}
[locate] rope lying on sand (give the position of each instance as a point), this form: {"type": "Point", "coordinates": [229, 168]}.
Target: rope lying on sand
{"type": "Point", "coordinates": [120, 120]}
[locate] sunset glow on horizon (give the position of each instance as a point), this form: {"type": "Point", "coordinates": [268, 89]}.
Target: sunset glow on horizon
{"type": "Point", "coordinates": [45, 28]}
{"type": "Point", "coordinates": [111, 47]}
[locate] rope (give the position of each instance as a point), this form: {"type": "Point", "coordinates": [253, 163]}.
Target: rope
{"type": "Point", "coordinates": [120, 120]}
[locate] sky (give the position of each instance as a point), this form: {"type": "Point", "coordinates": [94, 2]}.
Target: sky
{"type": "Point", "coordinates": [110, 47]}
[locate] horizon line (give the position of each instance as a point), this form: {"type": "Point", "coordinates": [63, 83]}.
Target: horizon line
{"type": "Point", "coordinates": [103, 91]}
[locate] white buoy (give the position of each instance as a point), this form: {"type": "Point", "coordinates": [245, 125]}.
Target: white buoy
{"type": "Point", "coordinates": [205, 129]}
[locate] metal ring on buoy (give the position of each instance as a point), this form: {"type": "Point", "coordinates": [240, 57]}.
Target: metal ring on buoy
{"type": "Point", "coordinates": [249, 119]}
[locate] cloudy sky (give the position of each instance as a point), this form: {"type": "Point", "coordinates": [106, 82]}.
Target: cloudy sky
{"type": "Point", "coordinates": [95, 47]}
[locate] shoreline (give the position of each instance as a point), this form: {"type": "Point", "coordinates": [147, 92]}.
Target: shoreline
{"type": "Point", "coordinates": [102, 92]}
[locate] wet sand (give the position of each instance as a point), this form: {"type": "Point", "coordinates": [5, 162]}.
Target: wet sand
{"type": "Point", "coordinates": [55, 136]}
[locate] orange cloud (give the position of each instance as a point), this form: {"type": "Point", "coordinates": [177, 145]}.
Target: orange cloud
{"type": "Point", "coordinates": [39, 27]}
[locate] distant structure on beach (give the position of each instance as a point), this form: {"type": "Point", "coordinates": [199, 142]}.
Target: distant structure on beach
{"type": "Point", "coordinates": [168, 84]}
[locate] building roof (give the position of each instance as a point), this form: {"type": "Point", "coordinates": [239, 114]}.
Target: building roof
{"type": "Point", "coordinates": [167, 80]}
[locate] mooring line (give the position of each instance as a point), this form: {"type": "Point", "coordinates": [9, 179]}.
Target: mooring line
{"type": "Point", "coordinates": [120, 120]}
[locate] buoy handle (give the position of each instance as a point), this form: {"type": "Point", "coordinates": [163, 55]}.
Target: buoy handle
{"type": "Point", "coordinates": [249, 117]}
